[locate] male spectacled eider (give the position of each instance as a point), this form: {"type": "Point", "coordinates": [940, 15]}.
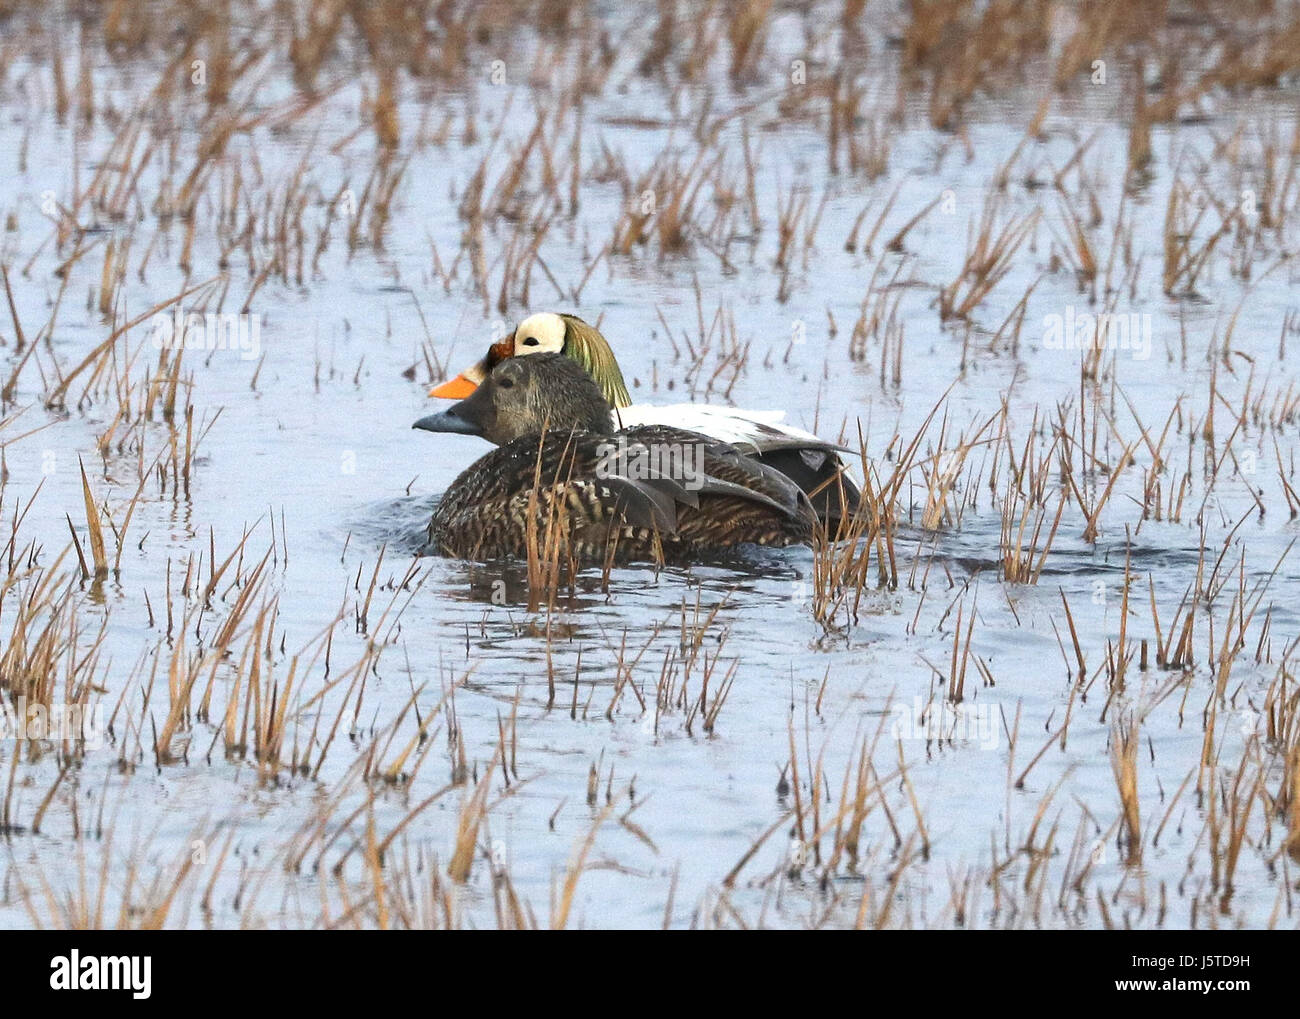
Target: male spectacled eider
{"type": "Point", "coordinates": [813, 464]}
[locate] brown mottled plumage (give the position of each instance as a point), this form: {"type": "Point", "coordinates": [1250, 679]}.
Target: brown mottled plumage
{"type": "Point", "coordinates": [813, 465]}
{"type": "Point", "coordinates": [651, 492]}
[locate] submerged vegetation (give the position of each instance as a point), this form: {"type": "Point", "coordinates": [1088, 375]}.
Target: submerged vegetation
{"type": "Point", "coordinates": [1032, 261]}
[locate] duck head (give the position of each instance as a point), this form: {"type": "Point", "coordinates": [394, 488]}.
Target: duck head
{"type": "Point", "coordinates": [526, 396]}
{"type": "Point", "coordinates": [547, 332]}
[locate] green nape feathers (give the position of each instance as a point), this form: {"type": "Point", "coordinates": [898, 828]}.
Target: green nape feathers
{"type": "Point", "coordinates": [589, 348]}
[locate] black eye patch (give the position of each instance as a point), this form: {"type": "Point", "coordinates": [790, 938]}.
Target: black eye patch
{"type": "Point", "coordinates": [531, 341]}
{"type": "Point", "coordinates": [505, 383]}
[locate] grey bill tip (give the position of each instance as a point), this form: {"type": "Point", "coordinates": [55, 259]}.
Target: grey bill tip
{"type": "Point", "coordinates": [446, 421]}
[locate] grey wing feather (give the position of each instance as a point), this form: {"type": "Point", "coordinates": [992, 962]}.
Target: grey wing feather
{"type": "Point", "coordinates": [784, 495]}
{"type": "Point", "coordinates": [717, 486]}
{"type": "Point", "coordinates": [646, 503]}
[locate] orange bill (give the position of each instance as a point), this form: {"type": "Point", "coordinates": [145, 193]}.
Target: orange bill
{"type": "Point", "coordinates": [454, 389]}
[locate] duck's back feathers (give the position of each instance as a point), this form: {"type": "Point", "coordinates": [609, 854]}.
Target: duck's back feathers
{"type": "Point", "coordinates": [813, 464]}
{"type": "Point", "coordinates": [644, 493]}
{"type": "Point", "coordinates": [752, 431]}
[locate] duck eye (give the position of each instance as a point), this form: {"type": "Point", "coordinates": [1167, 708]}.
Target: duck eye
{"type": "Point", "coordinates": [505, 383]}
{"type": "Point", "coordinates": [531, 341]}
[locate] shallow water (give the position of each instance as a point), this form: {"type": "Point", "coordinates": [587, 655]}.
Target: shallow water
{"type": "Point", "coordinates": [313, 457]}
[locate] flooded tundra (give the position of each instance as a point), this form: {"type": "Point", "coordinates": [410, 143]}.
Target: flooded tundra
{"type": "Point", "coordinates": [1030, 264]}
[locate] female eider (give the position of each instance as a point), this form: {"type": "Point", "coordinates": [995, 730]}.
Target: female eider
{"type": "Point", "coordinates": [561, 468]}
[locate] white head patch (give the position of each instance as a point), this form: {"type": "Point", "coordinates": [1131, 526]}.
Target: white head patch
{"type": "Point", "coordinates": [542, 333]}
